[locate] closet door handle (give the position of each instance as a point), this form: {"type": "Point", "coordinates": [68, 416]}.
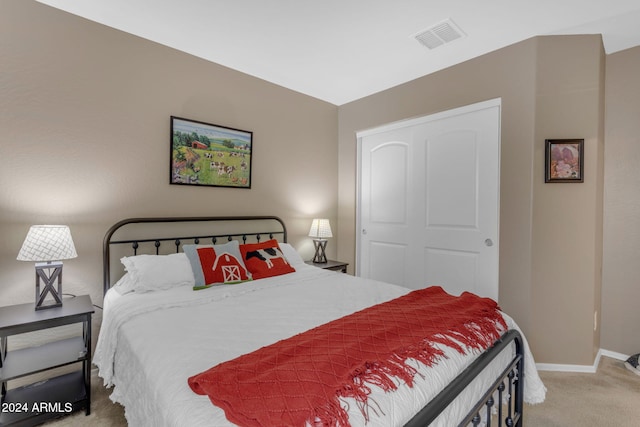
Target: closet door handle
{"type": "Point", "coordinates": [488, 242]}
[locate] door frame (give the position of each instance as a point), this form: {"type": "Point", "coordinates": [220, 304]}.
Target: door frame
{"type": "Point", "coordinates": [495, 102]}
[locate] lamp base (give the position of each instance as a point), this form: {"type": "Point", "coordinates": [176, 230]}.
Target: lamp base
{"type": "Point", "coordinates": [49, 278]}
{"type": "Point", "coordinates": [320, 255]}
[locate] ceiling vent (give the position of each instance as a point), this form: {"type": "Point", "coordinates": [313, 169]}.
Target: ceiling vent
{"type": "Point", "coordinates": [439, 34]}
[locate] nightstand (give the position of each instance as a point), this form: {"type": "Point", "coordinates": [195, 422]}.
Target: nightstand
{"type": "Point", "coordinates": [54, 397]}
{"type": "Point", "coordinates": [330, 265]}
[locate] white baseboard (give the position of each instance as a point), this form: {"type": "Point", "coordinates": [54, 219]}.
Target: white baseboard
{"type": "Point", "coordinates": [565, 368]}
{"type": "Point", "coordinates": [614, 355]}
{"type": "Point", "coordinates": [582, 368]}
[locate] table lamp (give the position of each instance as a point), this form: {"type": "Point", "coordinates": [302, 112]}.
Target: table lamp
{"type": "Point", "coordinates": [48, 245]}
{"type": "Point", "coordinates": [320, 231]}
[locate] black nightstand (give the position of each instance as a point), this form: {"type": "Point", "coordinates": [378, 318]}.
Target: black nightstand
{"type": "Point", "coordinates": [54, 397]}
{"type": "Point", "coordinates": [330, 265]}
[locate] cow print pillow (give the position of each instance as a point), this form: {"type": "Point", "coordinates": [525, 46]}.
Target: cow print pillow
{"type": "Point", "coordinates": [265, 259]}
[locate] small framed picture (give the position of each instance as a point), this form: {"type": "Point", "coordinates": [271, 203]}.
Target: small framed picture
{"type": "Point", "coordinates": [204, 154]}
{"type": "Point", "coordinates": [564, 160]}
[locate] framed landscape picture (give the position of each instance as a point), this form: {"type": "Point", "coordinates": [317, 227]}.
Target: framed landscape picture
{"type": "Point", "coordinates": [209, 155]}
{"type": "Point", "coordinates": [564, 160]}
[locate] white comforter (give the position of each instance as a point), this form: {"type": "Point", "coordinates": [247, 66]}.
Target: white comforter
{"type": "Point", "coordinates": [149, 344]}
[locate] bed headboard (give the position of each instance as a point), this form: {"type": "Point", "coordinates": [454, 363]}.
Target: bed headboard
{"type": "Point", "coordinates": [135, 236]}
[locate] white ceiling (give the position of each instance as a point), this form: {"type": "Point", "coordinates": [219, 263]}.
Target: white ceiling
{"type": "Point", "coordinates": [343, 50]}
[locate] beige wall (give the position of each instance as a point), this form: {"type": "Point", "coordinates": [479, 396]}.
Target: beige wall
{"type": "Point", "coordinates": [84, 140]}
{"type": "Point", "coordinates": [621, 269]}
{"type": "Point", "coordinates": [567, 218]}
{"type": "Point", "coordinates": [551, 87]}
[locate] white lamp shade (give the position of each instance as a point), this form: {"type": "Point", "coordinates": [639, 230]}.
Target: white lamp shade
{"type": "Point", "coordinates": [47, 243]}
{"type": "Point", "coordinates": [320, 228]}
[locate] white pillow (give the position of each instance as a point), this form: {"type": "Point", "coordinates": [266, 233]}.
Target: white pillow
{"type": "Point", "coordinates": [158, 272]}
{"type": "Point", "coordinates": [125, 285]}
{"type": "Point", "coordinates": [291, 254]}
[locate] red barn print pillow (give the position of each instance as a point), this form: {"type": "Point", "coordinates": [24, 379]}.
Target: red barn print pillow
{"type": "Point", "coordinates": [216, 265]}
{"type": "Point", "coordinates": [265, 259]}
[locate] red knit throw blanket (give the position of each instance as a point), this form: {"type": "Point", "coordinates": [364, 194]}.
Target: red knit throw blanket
{"type": "Point", "coordinates": [302, 378]}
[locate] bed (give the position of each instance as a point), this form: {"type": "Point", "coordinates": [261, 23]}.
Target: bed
{"type": "Point", "coordinates": [154, 342]}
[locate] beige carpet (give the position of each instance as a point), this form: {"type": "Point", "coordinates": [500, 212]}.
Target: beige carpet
{"type": "Point", "coordinates": [610, 397]}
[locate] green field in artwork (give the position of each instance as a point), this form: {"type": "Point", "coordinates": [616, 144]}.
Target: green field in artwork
{"type": "Point", "coordinates": [225, 163]}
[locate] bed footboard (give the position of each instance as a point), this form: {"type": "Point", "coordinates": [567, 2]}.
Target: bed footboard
{"type": "Point", "coordinates": [509, 385]}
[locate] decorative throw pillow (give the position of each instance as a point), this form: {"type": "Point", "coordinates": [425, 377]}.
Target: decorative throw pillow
{"type": "Point", "coordinates": [216, 265]}
{"type": "Point", "coordinates": [265, 259]}
{"type": "Point", "coordinates": [157, 272]}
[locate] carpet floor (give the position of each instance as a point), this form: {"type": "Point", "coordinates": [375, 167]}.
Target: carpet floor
{"type": "Point", "coordinates": [610, 397]}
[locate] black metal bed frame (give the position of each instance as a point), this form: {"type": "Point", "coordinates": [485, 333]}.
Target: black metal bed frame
{"type": "Point", "coordinates": [511, 379]}
{"type": "Point", "coordinates": [505, 410]}
{"type": "Point", "coordinates": [179, 241]}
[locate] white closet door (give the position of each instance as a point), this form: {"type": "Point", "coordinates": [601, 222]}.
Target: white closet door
{"type": "Point", "coordinates": [428, 201]}
{"type": "Point", "coordinates": [387, 191]}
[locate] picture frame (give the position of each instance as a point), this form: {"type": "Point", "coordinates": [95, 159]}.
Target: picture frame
{"type": "Point", "coordinates": [206, 154]}
{"type": "Point", "coordinates": [564, 160]}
